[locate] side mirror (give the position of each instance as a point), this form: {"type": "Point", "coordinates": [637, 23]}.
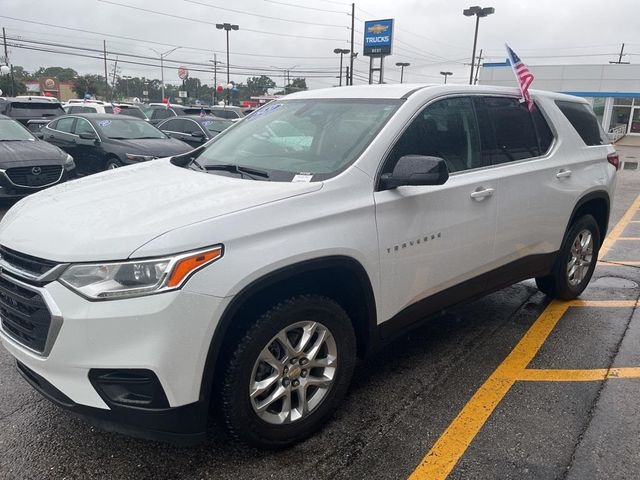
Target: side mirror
{"type": "Point", "coordinates": [38, 135]}
{"type": "Point", "coordinates": [88, 136]}
{"type": "Point", "coordinates": [197, 134]}
{"type": "Point", "coordinates": [416, 170]}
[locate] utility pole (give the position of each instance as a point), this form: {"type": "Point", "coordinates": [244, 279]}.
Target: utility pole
{"type": "Point", "coordinates": [106, 74]}
{"type": "Point", "coordinates": [6, 60]}
{"type": "Point", "coordinates": [115, 73]}
{"type": "Point", "coordinates": [215, 79]}
{"type": "Point", "coordinates": [618, 62]}
{"type": "Point", "coordinates": [351, 55]}
{"type": "Point", "coordinates": [475, 80]}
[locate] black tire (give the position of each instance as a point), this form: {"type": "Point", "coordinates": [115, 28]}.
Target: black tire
{"type": "Point", "coordinates": [557, 284]}
{"type": "Point", "coordinates": [238, 414]}
{"type": "Point", "coordinates": [112, 163]}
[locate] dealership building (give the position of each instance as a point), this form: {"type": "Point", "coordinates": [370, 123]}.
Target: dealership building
{"type": "Point", "coordinates": [612, 89]}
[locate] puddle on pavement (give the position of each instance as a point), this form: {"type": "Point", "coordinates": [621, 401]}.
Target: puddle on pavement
{"type": "Point", "coordinates": [614, 282]}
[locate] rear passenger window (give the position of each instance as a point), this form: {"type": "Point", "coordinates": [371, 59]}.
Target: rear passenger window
{"type": "Point", "coordinates": [65, 125]}
{"type": "Point", "coordinates": [545, 135]}
{"type": "Point", "coordinates": [584, 121]}
{"type": "Point", "coordinates": [514, 135]}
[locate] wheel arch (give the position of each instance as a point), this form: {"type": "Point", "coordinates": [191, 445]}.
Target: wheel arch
{"type": "Point", "coordinates": [596, 203]}
{"type": "Point", "coordinates": [341, 278]}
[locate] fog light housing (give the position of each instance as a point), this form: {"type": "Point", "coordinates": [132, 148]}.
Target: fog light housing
{"type": "Point", "coordinates": [129, 387]}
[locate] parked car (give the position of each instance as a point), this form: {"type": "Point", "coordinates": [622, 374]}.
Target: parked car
{"type": "Point", "coordinates": [251, 273]}
{"type": "Point", "coordinates": [194, 129]}
{"type": "Point", "coordinates": [102, 107]}
{"type": "Point", "coordinates": [231, 113]}
{"type": "Point", "coordinates": [105, 141]}
{"type": "Point", "coordinates": [34, 126]}
{"type": "Point", "coordinates": [27, 164]}
{"type": "Point", "coordinates": [25, 109]}
{"type": "Point", "coordinates": [157, 112]}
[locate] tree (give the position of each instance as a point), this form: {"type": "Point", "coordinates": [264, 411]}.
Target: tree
{"type": "Point", "coordinates": [5, 85]}
{"type": "Point", "coordinates": [296, 85]}
{"type": "Point", "coordinates": [92, 84]}
{"type": "Point", "coordinates": [62, 74]}
{"type": "Point", "coordinates": [257, 86]}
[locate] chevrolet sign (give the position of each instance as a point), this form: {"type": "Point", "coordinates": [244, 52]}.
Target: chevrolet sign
{"type": "Point", "coordinates": [378, 35]}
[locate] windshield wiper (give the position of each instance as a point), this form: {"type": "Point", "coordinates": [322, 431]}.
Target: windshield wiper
{"type": "Point", "coordinates": [239, 169]}
{"type": "Point", "coordinates": [12, 140]}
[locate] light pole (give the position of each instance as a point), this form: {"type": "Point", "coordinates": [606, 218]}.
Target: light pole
{"type": "Point", "coordinates": [342, 52]}
{"type": "Point", "coordinates": [478, 12]}
{"type": "Point", "coordinates": [162, 55]}
{"type": "Point", "coordinates": [446, 74]}
{"type": "Point", "coordinates": [227, 27]}
{"type": "Point", "coordinates": [402, 65]}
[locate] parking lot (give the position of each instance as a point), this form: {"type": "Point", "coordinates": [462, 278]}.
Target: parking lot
{"type": "Point", "coordinates": [510, 386]}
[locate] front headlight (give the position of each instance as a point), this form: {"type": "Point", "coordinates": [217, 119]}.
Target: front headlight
{"type": "Point", "coordinates": [139, 158]}
{"type": "Point", "coordinates": [69, 164]}
{"type": "Point", "coordinates": [103, 281]}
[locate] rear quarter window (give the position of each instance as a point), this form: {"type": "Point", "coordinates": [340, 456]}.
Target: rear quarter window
{"type": "Point", "coordinates": [584, 121]}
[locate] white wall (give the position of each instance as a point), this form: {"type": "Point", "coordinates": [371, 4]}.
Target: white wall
{"type": "Point", "coordinates": [570, 78]}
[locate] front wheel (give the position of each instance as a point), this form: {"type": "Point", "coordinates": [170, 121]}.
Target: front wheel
{"type": "Point", "coordinates": [112, 164]}
{"type": "Point", "coordinates": [576, 261]}
{"type": "Point", "coordinates": [288, 372]}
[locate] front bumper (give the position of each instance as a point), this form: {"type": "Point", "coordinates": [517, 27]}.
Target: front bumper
{"type": "Point", "coordinates": [168, 334]}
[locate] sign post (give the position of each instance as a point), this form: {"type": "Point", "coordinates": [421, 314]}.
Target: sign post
{"type": "Point", "coordinates": [378, 43]}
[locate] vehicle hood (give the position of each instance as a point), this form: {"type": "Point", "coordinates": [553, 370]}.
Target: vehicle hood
{"type": "Point", "coordinates": [157, 147]}
{"type": "Point", "coordinates": [29, 152]}
{"type": "Point", "coordinates": [109, 215]}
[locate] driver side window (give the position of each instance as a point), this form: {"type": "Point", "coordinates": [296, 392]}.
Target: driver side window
{"type": "Point", "coordinates": [445, 129]}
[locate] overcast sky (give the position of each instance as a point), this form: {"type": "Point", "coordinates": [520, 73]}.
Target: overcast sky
{"type": "Point", "coordinates": [432, 35]}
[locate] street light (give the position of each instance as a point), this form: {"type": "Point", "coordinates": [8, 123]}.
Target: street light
{"type": "Point", "coordinates": [402, 65]}
{"type": "Point", "coordinates": [227, 27]}
{"type": "Point", "coordinates": [478, 12]}
{"type": "Point", "coordinates": [341, 51]}
{"type": "Point", "coordinates": [162, 55]}
{"type": "Point", "coordinates": [446, 74]}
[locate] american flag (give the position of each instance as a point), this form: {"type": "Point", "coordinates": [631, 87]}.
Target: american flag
{"type": "Point", "coordinates": [167, 103]}
{"type": "Point", "coordinates": [116, 109]}
{"type": "Point", "coordinates": [523, 75]}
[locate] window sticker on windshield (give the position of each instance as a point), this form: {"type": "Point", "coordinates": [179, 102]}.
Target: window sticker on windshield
{"type": "Point", "coordinates": [104, 123]}
{"type": "Point", "coordinates": [302, 178]}
{"type": "Point", "coordinates": [264, 111]}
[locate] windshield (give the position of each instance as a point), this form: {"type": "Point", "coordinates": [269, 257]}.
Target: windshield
{"type": "Point", "coordinates": [317, 137]}
{"type": "Point", "coordinates": [216, 126]}
{"type": "Point", "coordinates": [128, 129]}
{"type": "Point", "coordinates": [11, 131]}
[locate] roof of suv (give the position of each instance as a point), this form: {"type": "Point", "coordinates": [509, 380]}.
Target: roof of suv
{"type": "Point", "coordinates": [100, 116]}
{"type": "Point", "coordinates": [404, 90]}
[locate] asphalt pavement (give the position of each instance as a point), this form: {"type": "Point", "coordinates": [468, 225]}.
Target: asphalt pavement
{"type": "Point", "coordinates": [511, 386]}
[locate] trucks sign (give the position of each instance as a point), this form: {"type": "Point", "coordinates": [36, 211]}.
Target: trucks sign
{"type": "Point", "coordinates": [378, 37]}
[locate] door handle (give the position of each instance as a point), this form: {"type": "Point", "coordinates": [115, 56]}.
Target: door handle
{"type": "Point", "coordinates": [481, 193]}
{"type": "Point", "coordinates": [562, 173]}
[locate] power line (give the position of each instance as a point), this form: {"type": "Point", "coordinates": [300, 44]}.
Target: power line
{"type": "Point", "coordinates": [151, 42]}
{"type": "Point", "coordinates": [307, 8]}
{"type": "Point", "coordinates": [171, 15]}
{"type": "Point", "coordinates": [195, 2]}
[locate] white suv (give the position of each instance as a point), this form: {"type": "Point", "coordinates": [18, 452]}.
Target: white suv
{"type": "Point", "coordinates": [245, 277]}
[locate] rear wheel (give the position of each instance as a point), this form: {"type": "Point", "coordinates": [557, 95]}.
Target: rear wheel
{"type": "Point", "coordinates": [576, 261]}
{"type": "Point", "coordinates": [289, 372]}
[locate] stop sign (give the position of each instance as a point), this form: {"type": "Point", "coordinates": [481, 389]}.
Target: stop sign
{"type": "Point", "coordinates": [183, 73]}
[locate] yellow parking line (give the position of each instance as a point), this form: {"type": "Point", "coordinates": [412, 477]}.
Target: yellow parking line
{"type": "Point", "coordinates": [539, 375]}
{"type": "Point", "coordinates": [455, 440]}
{"type": "Point", "coordinates": [622, 263]}
{"type": "Point", "coordinates": [629, 239]}
{"type": "Point", "coordinates": [620, 226]}
{"type": "Point", "coordinates": [604, 303]}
